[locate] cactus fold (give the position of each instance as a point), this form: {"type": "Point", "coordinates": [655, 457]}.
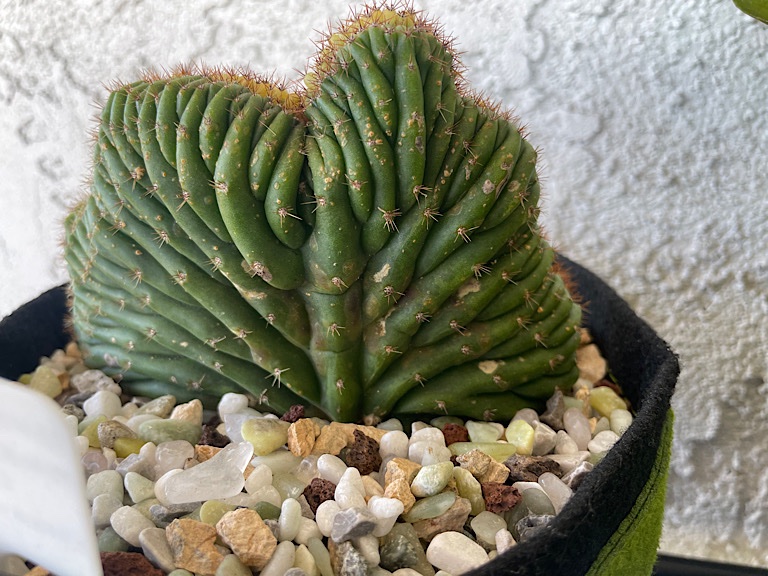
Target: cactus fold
{"type": "Point", "coordinates": [365, 246]}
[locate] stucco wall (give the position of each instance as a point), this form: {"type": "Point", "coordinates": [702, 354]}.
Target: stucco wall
{"type": "Point", "coordinates": [651, 119]}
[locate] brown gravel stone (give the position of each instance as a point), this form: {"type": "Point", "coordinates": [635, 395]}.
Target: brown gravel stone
{"type": "Point", "coordinates": [247, 536]}
{"type": "Point", "coordinates": [211, 437]}
{"type": "Point", "coordinates": [529, 468]}
{"type": "Point", "coordinates": [499, 498]}
{"type": "Point", "coordinates": [362, 454]}
{"type": "Point", "coordinates": [455, 433]}
{"type": "Point", "coordinates": [318, 491]}
{"type": "Point", "coordinates": [452, 519]}
{"type": "Point", "coordinates": [127, 564]}
{"type": "Point", "coordinates": [294, 413]}
{"type": "Point", "coordinates": [193, 546]}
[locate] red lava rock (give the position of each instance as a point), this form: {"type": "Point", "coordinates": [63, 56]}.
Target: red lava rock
{"type": "Point", "coordinates": [127, 564]}
{"type": "Point", "coordinates": [211, 437]}
{"type": "Point", "coordinates": [500, 498]}
{"type": "Point", "coordinates": [529, 468]}
{"type": "Point", "coordinates": [455, 433]}
{"type": "Point", "coordinates": [363, 454]}
{"type": "Point", "coordinates": [295, 412]}
{"type": "Point", "coordinates": [318, 491]}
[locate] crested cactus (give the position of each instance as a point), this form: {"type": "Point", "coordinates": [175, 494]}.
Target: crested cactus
{"type": "Point", "coordinates": [366, 245]}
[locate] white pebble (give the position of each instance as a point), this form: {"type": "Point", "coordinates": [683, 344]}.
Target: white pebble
{"type": "Point", "coordinates": [103, 402]}
{"type": "Point", "coordinates": [138, 487]}
{"type": "Point", "coordinates": [620, 420]}
{"type": "Point", "coordinates": [307, 529]}
{"type": "Point", "coordinates": [436, 455]}
{"type": "Point", "coordinates": [128, 523]}
{"type": "Point", "coordinates": [456, 552]}
{"type": "Point", "coordinates": [559, 493]}
{"type": "Point", "coordinates": [260, 476]}
{"type": "Point", "coordinates": [603, 442]}
{"type": "Point", "coordinates": [303, 559]}
{"type": "Point", "coordinates": [368, 546]}
{"type": "Point", "coordinates": [105, 482]}
{"type": "Point", "coordinates": [577, 426]}
{"type": "Point", "coordinates": [386, 511]}
{"type": "Point", "coordinates": [104, 505]}
{"type": "Point", "coordinates": [504, 541]}
{"type": "Point", "coordinates": [82, 444]}
{"type": "Point", "coordinates": [394, 443]}
{"type": "Point", "coordinates": [71, 421]}
{"type": "Point", "coordinates": [544, 439]}
{"type": "Point", "coordinates": [391, 424]}
{"type": "Point", "coordinates": [324, 516]}
{"type": "Point", "coordinates": [281, 561]}
{"type": "Point", "coordinates": [527, 414]}
{"type": "Point", "coordinates": [430, 450]}
{"type": "Point", "coordinates": [331, 468]}
{"type": "Point", "coordinates": [429, 434]}
{"type": "Point", "coordinates": [568, 462]}
{"type": "Point", "coordinates": [350, 492]}
{"type": "Point", "coordinates": [564, 444]}
{"type": "Point", "coordinates": [290, 519]}
{"type": "Point", "coordinates": [232, 402]}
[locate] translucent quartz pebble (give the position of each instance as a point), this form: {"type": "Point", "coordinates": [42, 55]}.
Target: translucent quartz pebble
{"type": "Point", "coordinates": [428, 434]}
{"type": "Point", "coordinates": [485, 526]}
{"type": "Point", "coordinates": [105, 482]}
{"type": "Point", "coordinates": [307, 469]}
{"type": "Point", "coordinates": [577, 426]}
{"type": "Point", "coordinates": [128, 522]}
{"type": "Point", "coordinates": [219, 477]}
{"type": "Point", "coordinates": [94, 380]}
{"type": "Point", "coordinates": [455, 552]}
{"type": "Point", "coordinates": [603, 442]}
{"type": "Point", "coordinates": [233, 423]}
{"type": "Point", "coordinates": [431, 479]}
{"type": "Point", "coordinates": [504, 541]}
{"type": "Point", "coordinates": [544, 439]}
{"type": "Point", "coordinates": [279, 461]}
{"type": "Point", "coordinates": [521, 434]}
{"type": "Point", "coordinates": [428, 452]}
{"type": "Point", "coordinates": [160, 406]}
{"type": "Point", "coordinates": [604, 400]}
{"type": "Point", "coordinates": [386, 511]}
{"type": "Point", "coordinates": [172, 455]}
{"type": "Point", "coordinates": [162, 430]}
{"type": "Point", "coordinates": [155, 547]}
{"type": "Point", "coordinates": [93, 461]}
{"type": "Point", "coordinates": [574, 477]}
{"type": "Point", "coordinates": [321, 556]}
{"type": "Point", "coordinates": [331, 468]}
{"type": "Point", "coordinates": [267, 494]}
{"type": "Point", "coordinates": [484, 431]}
{"type": "Point", "coordinates": [281, 561]}
{"type": "Point", "coordinates": [469, 487]}
{"type": "Point", "coordinates": [394, 443]}
{"type": "Point", "coordinates": [620, 420]}
{"type": "Point", "coordinates": [527, 414]}
{"type": "Point", "coordinates": [350, 491]}
{"type": "Point", "coordinates": [290, 519]}
{"type": "Point", "coordinates": [559, 493]}
{"type": "Point", "coordinates": [260, 476]}
{"type": "Point", "coordinates": [103, 402]}
{"type": "Point", "coordinates": [564, 444]}
{"type": "Point", "coordinates": [430, 507]}
{"type": "Point", "coordinates": [232, 402]}
{"type": "Point", "coordinates": [104, 505]}
{"type": "Point", "coordinates": [324, 516]}
{"type": "Point", "coordinates": [352, 523]}
{"type": "Point", "coordinates": [568, 462]}
{"type": "Point", "coordinates": [265, 434]}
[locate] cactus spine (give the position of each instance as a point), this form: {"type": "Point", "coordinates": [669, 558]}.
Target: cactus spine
{"type": "Point", "coordinates": [366, 246]}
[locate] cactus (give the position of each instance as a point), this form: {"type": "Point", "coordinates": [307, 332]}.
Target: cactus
{"type": "Point", "coordinates": [367, 245]}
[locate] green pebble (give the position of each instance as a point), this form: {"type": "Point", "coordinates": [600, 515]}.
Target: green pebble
{"type": "Point", "coordinates": [266, 434]}
{"type": "Point", "coordinates": [520, 433]}
{"type": "Point", "coordinates": [266, 510]}
{"type": "Point", "coordinates": [604, 400]}
{"type": "Point", "coordinates": [25, 379]}
{"type": "Point", "coordinates": [441, 421]}
{"type": "Point", "coordinates": [109, 541]}
{"type": "Point", "coordinates": [482, 431]}
{"type": "Point", "coordinates": [213, 510]}
{"type": "Point", "coordinates": [232, 566]}
{"type": "Point", "coordinates": [159, 431]}
{"type": "Point", "coordinates": [145, 505]}
{"type": "Point", "coordinates": [288, 485]}
{"type": "Point", "coordinates": [469, 488]}
{"type": "Point", "coordinates": [90, 429]}
{"type": "Point", "coordinates": [499, 451]}
{"type": "Point", "coordinates": [126, 446]}
{"type": "Point", "coordinates": [431, 479]}
{"type": "Point", "coordinates": [430, 507]}
{"type": "Point", "coordinates": [160, 406]}
{"type": "Point", "coordinates": [44, 380]}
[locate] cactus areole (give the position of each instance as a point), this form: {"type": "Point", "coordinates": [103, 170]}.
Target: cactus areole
{"type": "Point", "coordinates": [365, 245]}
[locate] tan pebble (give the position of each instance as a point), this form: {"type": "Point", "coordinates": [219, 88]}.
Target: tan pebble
{"type": "Point", "coordinates": [331, 440]}
{"type": "Point", "coordinates": [476, 461]}
{"type": "Point", "coordinates": [592, 365]}
{"type": "Point", "coordinates": [301, 437]}
{"type": "Point", "coordinates": [247, 536]}
{"type": "Point", "coordinates": [191, 411]}
{"type": "Point", "coordinates": [401, 468]}
{"type": "Point", "coordinates": [193, 546]}
{"type": "Point", "coordinates": [400, 489]}
{"type": "Point", "coordinates": [38, 571]}
{"type": "Point", "coordinates": [372, 487]}
{"type": "Point", "coordinates": [496, 472]}
{"type": "Point", "coordinates": [73, 351]}
{"type": "Point", "coordinates": [452, 519]}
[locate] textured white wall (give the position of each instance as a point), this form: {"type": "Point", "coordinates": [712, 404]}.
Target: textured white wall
{"type": "Point", "coordinates": [651, 117]}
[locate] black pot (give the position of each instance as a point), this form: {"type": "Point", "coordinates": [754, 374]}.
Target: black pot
{"type": "Point", "coordinates": [612, 523]}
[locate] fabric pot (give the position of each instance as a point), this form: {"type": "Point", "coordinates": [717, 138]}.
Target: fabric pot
{"type": "Point", "coordinates": [611, 525]}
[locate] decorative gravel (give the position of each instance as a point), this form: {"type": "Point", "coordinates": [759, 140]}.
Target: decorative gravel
{"type": "Point", "coordinates": [178, 490]}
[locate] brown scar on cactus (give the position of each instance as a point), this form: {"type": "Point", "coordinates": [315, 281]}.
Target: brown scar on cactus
{"type": "Point", "coordinates": [367, 239]}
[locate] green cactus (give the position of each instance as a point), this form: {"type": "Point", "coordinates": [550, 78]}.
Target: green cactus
{"type": "Point", "coordinates": [366, 246]}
